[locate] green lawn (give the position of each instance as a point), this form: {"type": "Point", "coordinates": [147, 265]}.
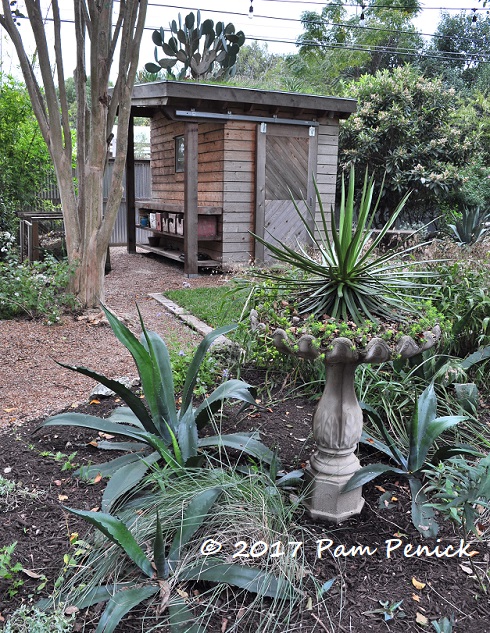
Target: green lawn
{"type": "Point", "coordinates": [215, 306]}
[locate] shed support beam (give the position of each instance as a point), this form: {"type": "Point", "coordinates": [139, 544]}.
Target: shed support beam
{"type": "Point", "coordinates": [259, 254]}
{"type": "Point", "coordinates": [190, 199]}
{"type": "Point", "coordinates": [130, 191]}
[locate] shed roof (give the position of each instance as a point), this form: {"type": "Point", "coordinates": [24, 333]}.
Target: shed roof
{"type": "Point", "coordinates": [172, 96]}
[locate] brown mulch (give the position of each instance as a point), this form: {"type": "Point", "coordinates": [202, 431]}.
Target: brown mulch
{"type": "Point", "coordinates": [41, 527]}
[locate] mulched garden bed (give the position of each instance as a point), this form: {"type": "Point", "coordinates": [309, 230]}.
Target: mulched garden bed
{"type": "Point", "coordinates": [429, 587]}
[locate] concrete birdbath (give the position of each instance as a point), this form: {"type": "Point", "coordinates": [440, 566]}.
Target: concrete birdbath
{"type": "Point", "coordinates": [338, 421]}
{"type": "Point", "coordinates": [349, 301]}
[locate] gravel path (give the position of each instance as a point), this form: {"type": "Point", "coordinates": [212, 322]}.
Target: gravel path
{"type": "Point", "coordinates": [32, 385]}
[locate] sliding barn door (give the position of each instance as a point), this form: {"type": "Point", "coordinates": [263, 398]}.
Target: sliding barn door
{"type": "Point", "coordinates": [286, 162]}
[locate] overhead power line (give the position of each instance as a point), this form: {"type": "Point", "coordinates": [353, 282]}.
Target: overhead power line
{"type": "Point", "coordinates": [483, 58]}
{"type": "Point", "coordinates": [406, 7]}
{"type": "Point", "coordinates": [352, 47]}
{"type": "Point", "coordinates": [317, 22]}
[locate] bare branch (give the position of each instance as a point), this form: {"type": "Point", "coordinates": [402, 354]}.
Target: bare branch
{"type": "Point", "coordinates": [83, 8]}
{"type": "Point", "coordinates": [61, 78]}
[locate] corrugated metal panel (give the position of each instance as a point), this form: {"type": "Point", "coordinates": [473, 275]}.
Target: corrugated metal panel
{"type": "Point", "coordinates": [119, 233]}
{"type": "Point", "coordinates": [142, 181]}
{"type": "Point", "coordinates": [142, 177]}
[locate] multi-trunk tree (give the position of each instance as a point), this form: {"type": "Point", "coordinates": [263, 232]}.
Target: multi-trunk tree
{"type": "Point", "coordinates": [106, 34]}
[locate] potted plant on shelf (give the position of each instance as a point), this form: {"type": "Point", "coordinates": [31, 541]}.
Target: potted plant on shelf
{"type": "Point", "coordinates": [345, 302]}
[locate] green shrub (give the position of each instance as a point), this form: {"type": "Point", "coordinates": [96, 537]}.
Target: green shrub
{"type": "Point", "coordinates": [463, 295]}
{"type": "Point", "coordinates": [7, 242]}
{"type": "Point", "coordinates": [31, 620]}
{"type": "Point", "coordinates": [9, 571]}
{"type": "Point", "coordinates": [37, 289]}
{"type": "Point", "coordinates": [8, 228]}
{"type": "Point", "coordinates": [407, 127]}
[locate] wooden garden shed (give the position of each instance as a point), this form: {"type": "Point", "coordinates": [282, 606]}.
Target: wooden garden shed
{"type": "Point", "coordinates": [226, 162]}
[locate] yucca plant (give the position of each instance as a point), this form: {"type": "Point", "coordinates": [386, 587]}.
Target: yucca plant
{"type": "Point", "coordinates": [346, 278]}
{"type": "Point", "coordinates": [160, 432]}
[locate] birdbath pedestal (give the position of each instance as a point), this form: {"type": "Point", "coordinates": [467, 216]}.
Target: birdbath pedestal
{"type": "Point", "coordinates": [337, 422]}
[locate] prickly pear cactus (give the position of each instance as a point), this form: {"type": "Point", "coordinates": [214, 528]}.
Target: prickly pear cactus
{"type": "Point", "coordinates": [205, 50]}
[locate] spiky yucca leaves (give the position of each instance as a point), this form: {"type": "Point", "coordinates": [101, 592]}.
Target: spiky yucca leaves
{"type": "Point", "coordinates": [473, 225]}
{"type": "Point", "coordinates": [347, 278]}
{"type": "Point", "coordinates": [423, 431]}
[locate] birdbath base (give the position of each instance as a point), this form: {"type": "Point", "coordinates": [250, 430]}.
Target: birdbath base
{"type": "Point", "coordinates": [337, 423]}
{"type": "Point", "coordinates": [324, 499]}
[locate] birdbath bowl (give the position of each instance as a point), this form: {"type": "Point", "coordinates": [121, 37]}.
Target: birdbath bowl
{"type": "Point", "coordinates": [337, 422]}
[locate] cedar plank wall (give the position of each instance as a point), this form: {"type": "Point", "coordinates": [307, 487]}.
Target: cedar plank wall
{"type": "Point", "coordinates": [239, 192]}
{"type": "Point", "coordinates": [168, 186]}
{"type": "Point", "coordinates": [326, 171]}
{"type": "Point", "coordinates": [227, 177]}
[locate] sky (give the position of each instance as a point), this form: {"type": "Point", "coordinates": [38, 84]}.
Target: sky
{"type": "Point", "coordinates": [273, 20]}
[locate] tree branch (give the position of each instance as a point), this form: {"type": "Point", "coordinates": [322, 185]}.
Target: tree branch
{"type": "Point", "coordinates": [61, 78]}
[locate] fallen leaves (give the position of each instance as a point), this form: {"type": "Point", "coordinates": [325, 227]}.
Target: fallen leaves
{"type": "Point", "coordinates": [421, 619]}
{"type": "Point", "coordinates": [418, 584]}
{"type": "Point", "coordinates": [467, 570]}
{"type": "Point", "coordinates": [32, 574]}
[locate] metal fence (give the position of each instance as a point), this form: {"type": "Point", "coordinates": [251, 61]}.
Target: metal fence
{"type": "Point", "coordinates": [142, 178]}
{"type": "Point", "coordinates": [142, 184]}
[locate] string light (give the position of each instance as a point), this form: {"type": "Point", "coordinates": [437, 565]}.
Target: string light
{"type": "Point", "coordinates": [251, 10]}
{"type": "Point", "coordinates": [473, 21]}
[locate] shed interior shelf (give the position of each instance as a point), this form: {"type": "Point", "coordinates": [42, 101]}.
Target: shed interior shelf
{"type": "Point", "coordinates": [205, 238]}
{"type": "Point", "coordinates": [177, 255]}
{"type": "Point", "coordinates": [166, 221]}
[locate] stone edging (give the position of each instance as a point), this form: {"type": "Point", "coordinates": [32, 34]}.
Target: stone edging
{"type": "Point", "coordinates": [188, 318]}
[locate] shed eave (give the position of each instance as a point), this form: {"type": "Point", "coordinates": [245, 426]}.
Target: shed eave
{"type": "Point", "coordinates": [168, 93]}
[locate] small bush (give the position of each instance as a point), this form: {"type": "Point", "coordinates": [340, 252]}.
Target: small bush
{"type": "Point", "coordinates": [37, 289]}
{"type": "Point", "coordinates": [463, 295]}
{"type": "Point", "coordinates": [27, 620]}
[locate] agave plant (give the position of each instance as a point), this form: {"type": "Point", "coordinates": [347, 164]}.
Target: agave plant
{"type": "Point", "coordinates": [346, 278]}
{"type": "Point", "coordinates": [471, 227]}
{"type": "Point", "coordinates": [155, 558]}
{"type": "Point", "coordinates": [424, 429]}
{"type": "Point", "coordinates": [160, 432]}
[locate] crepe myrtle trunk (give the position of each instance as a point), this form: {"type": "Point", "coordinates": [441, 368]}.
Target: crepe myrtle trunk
{"type": "Point", "coordinates": [99, 29]}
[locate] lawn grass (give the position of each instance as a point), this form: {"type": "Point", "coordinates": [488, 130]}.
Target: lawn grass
{"type": "Point", "coordinates": [215, 306]}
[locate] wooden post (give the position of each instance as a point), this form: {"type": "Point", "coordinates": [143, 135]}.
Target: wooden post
{"type": "Point", "coordinates": [130, 191]}
{"type": "Point", "coordinates": [260, 191]}
{"type": "Point", "coordinates": [22, 233]}
{"type": "Point", "coordinates": [190, 199]}
{"type": "Point", "coordinates": [312, 164]}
